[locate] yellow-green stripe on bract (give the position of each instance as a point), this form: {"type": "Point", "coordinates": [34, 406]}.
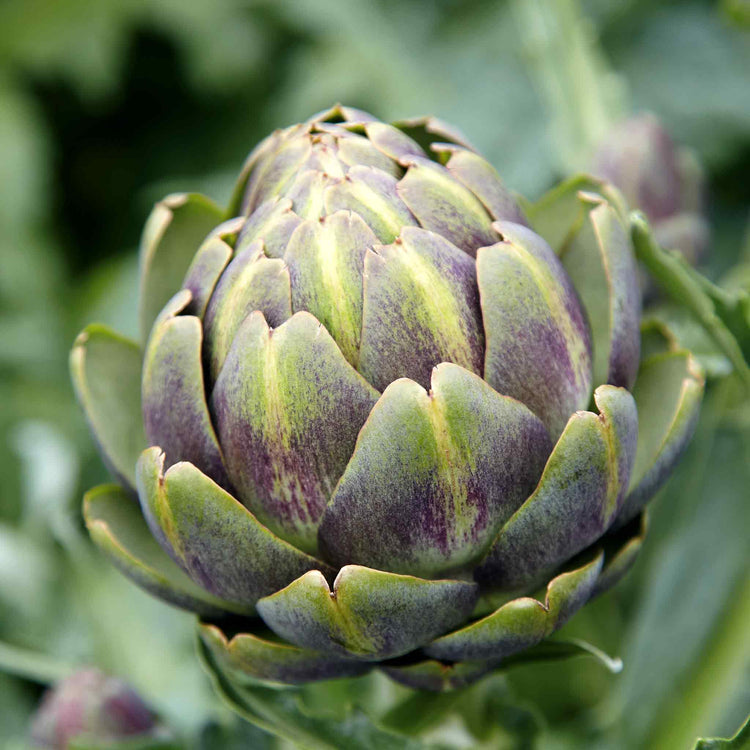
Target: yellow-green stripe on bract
{"type": "Point", "coordinates": [479, 176]}
{"type": "Point", "coordinates": [273, 222]}
{"type": "Point", "coordinates": [520, 623]}
{"type": "Point", "coordinates": [443, 205]}
{"type": "Point", "coordinates": [372, 194]}
{"type": "Point", "coordinates": [250, 282]}
{"type": "Point", "coordinates": [276, 170]}
{"type": "Point", "coordinates": [326, 260]}
{"type": "Point", "coordinates": [421, 307]}
{"type": "Point", "coordinates": [307, 193]}
{"type": "Point", "coordinates": [433, 476]}
{"type": "Point", "coordinates": [356, 150]}
{"type": "Point", "coordinates": [288, 408]}
{"type": "Point", "coordinates": [392, 141]}
{"type": "Point", "coordinates": [203, 273]}
{"type": "Point", "coordinates": [175, 412]}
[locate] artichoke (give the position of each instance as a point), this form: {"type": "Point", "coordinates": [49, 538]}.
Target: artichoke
{"type": "Point", "coordinates": [92, 709]}
{"type": "Point", "coordinates": [390, 419]}
{"type": "Point", "coordinates": [664, 181]}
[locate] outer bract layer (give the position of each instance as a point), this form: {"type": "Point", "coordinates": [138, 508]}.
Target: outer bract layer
{"type": "Point", "coordinates": [374, 394]}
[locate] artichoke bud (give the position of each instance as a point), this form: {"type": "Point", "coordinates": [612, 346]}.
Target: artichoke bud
{"type": "Point", "coordinates": [91, 707]}
{"type": "Point", "coordinates": [663, 180]}
{"type": "Point", "coordinates": [376, 392]}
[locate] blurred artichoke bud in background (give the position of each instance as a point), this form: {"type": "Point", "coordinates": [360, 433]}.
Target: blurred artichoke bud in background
{"type": "Point", "coordinates": [91, 707]}
{"type": "Point", "coordinates": [372, 392]}
{"type": "Point", "coordinates": [664, 181]}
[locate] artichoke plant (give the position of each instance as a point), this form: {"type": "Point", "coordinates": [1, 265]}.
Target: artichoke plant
{"type": "Point", "coordinates": [381, 415]}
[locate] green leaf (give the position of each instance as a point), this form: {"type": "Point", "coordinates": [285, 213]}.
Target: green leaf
{"type": "Point", "coordinates": [106, 372]}
{"type": "Point", "coordinates": [686, 645]}
{"type": "Point", "coordinates": [718, 671]}
{"type": "Point", "coordinates": [495, 715]}
{"type": "Point", "coordinates": [278, 712]}
{"type": "Point", "coordinates": [712, 307]}
{"type": "Point", "coordinates": [173, 233]}
{"type": "Point", "coordinates": [682, 331]}
{"type": "Point", "coordinates": [583, 96]}
{"type": "Point", "coordinates": [421, 710]}
{"type": "Point", "coordinates": [239, 735]}
{"type": "Point", "coordinates": [740, 741]}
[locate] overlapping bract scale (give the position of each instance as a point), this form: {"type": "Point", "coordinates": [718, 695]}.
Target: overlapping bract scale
{"type": "Point", "coordinates": [367, 614]}
{"type": "Point", "coordinates": [434, 476]}
{"type": "Point", "coordinates": [326, 260]}
{"type": "Point", "coordinates": [420, 308]}
{"type": "Point", "coordinates": [362, 404]}
{"type": "Point", "coordinates": [175, 413]}
{"type": "Point", "coordinates": [288, 410]}
{"type": "Point", "coordinates": [577, 498]}
{"type": "Point", "coordinates": [538, 345]}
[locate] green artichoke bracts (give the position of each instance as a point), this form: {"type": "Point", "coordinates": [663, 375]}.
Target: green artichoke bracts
{"type": "Point", "coordinates": [375, 399]}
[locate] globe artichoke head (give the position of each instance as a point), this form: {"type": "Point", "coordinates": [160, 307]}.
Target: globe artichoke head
{"type": "Point", "coordinates": [378, 400]}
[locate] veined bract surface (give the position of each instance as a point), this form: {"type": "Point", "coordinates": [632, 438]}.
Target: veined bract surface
{"type": "Point", "coordinates": [374, 400]}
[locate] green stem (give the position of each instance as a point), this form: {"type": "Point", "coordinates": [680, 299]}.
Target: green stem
{"type": "Point", "coordinates": [583, 95]}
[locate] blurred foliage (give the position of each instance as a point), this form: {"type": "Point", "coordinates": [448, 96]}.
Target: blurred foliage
{"type": "Point", "coordinates": [108, 104]}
